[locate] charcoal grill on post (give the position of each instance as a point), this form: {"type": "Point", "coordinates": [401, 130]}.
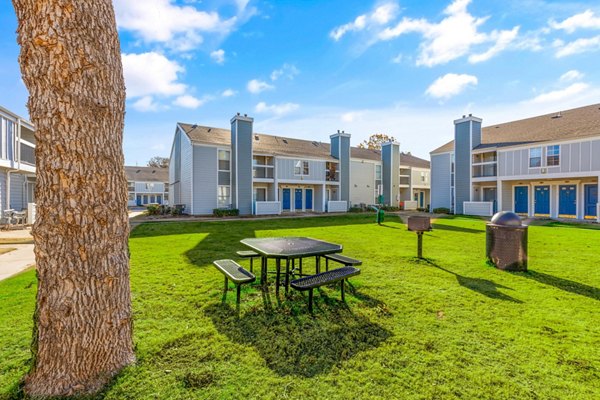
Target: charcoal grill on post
{"type": "Point", "coordinates": [506, 242]}
{"type": "Point", "coordinates": [419, 225]}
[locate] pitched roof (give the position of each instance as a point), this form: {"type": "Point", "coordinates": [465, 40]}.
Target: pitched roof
{"type": "Point", "coordinates": [285, 146]}
{"type": "Point", "coordinates": [412, 161]}
{"type": "Point", "coordinates": [571, 124]}
{"type": "Point", "coordinates": [269, 144]}
{"type": "Point", "coordinates": [146, 174]}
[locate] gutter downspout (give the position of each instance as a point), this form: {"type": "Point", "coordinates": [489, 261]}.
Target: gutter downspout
{"type": "Point", "coordinates": [18, 152]}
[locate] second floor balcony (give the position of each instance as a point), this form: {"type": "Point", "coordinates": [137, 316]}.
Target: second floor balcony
{"type": "Point", "coordinates": [484, 171]}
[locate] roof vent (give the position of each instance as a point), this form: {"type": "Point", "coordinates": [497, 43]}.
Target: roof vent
{"type": "Point", "coordinates": [315, 144]}
{"type": "Point", "coordinates": [470, 115]}
{"type": "Point", "coordinates": [138, 171]}
{"type": "Point", "coordinates": [285, 141]}
{"type": "Point", "coordinates": [558, 115]}
{"type": "Point", "coordinates": [245, 115]}
{"type": "Point", "coordinates": [194, 126]}
{"type": "Point", "coordinates": [153, 171]}
{"type": "Point", "coordinates": [255, 137]}
{"type": "Point", "coordinates": [209, 129]}
{"type": "Point", "coordinates": [464, 116]}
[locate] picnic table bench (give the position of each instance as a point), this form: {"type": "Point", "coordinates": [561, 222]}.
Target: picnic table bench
{"type": "Point", "coordinates": [345, 260]}
{"type": "Point", "coordinates": [235, 273]}
{"type": "Point", "coordinates": [324, 278]}
{"type": "Point", "coordinates": [248, 254]}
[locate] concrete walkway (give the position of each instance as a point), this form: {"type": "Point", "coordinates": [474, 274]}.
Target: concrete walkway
{"type": "Point", "coordinates": [15, 261]}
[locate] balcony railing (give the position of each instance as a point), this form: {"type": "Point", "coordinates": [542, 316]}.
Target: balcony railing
{"type": "Point", "coordinates": [405, 180]}
{"type": "Point", "coordinates": [263, 172]}
{"type": "Point", "coordinates": [332, 176]}
{"type": "Point", "coordinates": [484, 171]}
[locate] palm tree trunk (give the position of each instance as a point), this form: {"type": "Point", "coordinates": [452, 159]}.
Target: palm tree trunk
{"type": "Point", "coordinates": [71, 64]}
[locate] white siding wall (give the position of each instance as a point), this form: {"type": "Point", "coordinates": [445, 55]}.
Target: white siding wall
{"type": "Point", "coordinates": [186, 174]}
{"type": "Point", "coordinates": [18, 196]}
{"type": "Point", "coordinates": [205, 179]}
{"type": "Point", "coordinates": [362, 186]}
{"type": "Point", "coordinates": [440, 180]}
{"type": "Point", "coordinates": [140, 187]}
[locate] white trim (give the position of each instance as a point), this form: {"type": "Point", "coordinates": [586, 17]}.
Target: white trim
{"type": "Point", "coordinates": [559, 156]}
{"type": "Point", "coordinates": [466, 119]}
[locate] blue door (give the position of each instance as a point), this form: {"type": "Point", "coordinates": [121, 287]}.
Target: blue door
{"type": "Point", "coordinates": [139, 200]}
{"type": "Point", "coordinates": [521, 199]}
{"type": "Point", "coordinates": [567, 201]}
{"type": "Point", "coordinates": [298, 199]}
{"type": "Point", "coordinates": [421, 199]}
{"type": "Point", "coordinates": [542, 200]}
{"type": "Point", "coordinates": [309, 197]}
{"type": "Point", "coordinates": [159, 199]}
{"type": "Point", "coordinates": [591, 199]}
{"type": "Point", "coordinates": [286, 199]}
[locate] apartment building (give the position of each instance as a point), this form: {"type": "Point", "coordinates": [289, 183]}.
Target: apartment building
{"type": "Point", "coordinates": [147, 185]}
{"type": "Point", "coordinates": [17, 162]}
{"type": "Point", "coordinates": [546, 166]}
{"type": "Point", "coordinates": [266, 174]}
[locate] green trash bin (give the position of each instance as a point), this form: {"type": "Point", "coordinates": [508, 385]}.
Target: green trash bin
{"type": "Point", "coordinates": [380, 214]}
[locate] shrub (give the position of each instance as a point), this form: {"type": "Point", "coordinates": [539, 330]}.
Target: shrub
{"type": "Point", "coordinates": [355, 209]}
{"type": "Point", "coordinates": [390, 208]}
{"type": "Point", "coordinates": [226, 212]}
{"type": "Point", "coordinates": [441, 210]}
{"type": "Point", "coordinates": [153, 209]}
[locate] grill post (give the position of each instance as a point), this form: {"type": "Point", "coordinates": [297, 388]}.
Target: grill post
{"type": "Point", "coordinates": [419, 225]}
{"type": "Point", "coordinates": [420, 244]}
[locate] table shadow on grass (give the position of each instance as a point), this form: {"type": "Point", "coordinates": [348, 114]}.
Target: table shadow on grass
{"type": "Point", "coordinates": [483, 286]}
{"type": "Point", "coordinates": [562, 284]}
{"type": "Point", "coordinates": [300, 345]}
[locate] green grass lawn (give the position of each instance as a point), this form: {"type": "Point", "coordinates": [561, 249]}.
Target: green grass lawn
{"type": "Point", "coordinates": [448, 327]}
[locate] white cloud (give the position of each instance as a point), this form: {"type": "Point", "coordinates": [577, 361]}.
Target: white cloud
{"type": "Point", "coordinates": [188, 101]}
{"type": "Point", "coordinates": [151, 74]}
{"type": "Point", "coordinates": [582, 45]}
{"type": "Point", "coordinates": [146, 104]}
{"type": "Point", "coordinates": [288, 71]}
{"type": "Point", "coordinates": [503, 40]}
{"type": "Point", "coordinates": [228, 93]}
{"type": "Point", "coordinates": [256, 86]}
{"type": "Point", "coordinates": [453, 37]}
{"type": "Point", "coordinates": [381, 15]}
{"type": "Point", "coordinates": [398, 59]}
{"type": "Point", "coordinates": [276, 109]}
{"type": "Point", "coordinates": [562, 94]}
{"type": "Point", "coordinates": [350, 116]}
{"type": "Point", "coordinates": [572, 75]}
{"type": "Point", "coordinates": [178, 27]}
{"type": "Point", "coordinates": [583, 20]}
{"type": "Point", "coordinates": [218, 56]}
{"type": "Point", "coordinates": [450, 85]}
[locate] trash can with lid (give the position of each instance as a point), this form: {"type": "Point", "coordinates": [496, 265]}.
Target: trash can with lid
{"type": "Point", "coordinates": [506, 242]}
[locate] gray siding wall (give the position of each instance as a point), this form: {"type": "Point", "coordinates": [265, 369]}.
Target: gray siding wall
{"type": "Point", "coordinates": [390, 170]}
{"type": "Point", "coordinates": [362, 188]}
{"type": "Point", "coordinates": [507, 197]}
{"type": "Point", "coordinates": [140, 187]}
{"type": "Point", "coordinates": [318, 198]}
{"type": "Point", "coordinates": [345, 172]}
{"type": "Point", "coordinates": [175, 169]}
{"type": "Point", "coordinates": [18, 195]}
{"type": "Point", "coordinates": [185, 182]}
{"type": "Point", "coordinates": [241, 163]}
{"type": "Point", "coordinates": [205, 179]}
{"type": "Point", "coordinates": [440, 181]}
{"type": "Point", "coordinates": [574, 157]}
{"type": "Point", "coordinates": [462, 151]}
{"type": "Point", "coordinates": [3, 205]}
{"type": "Point", "coordinates": [285, 170]}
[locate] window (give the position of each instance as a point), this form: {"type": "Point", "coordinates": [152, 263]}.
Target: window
{"type": "Point", "coordinates": [131, 186]}
{"type": "Point", "coordinates": [301, 168]}
{"type": "Point", "coordinates": [331, 172]}
{"type": "Point", "coordinates": [131, 197]}
{"type": "Point", "coordinates": [149, 186]}
{"type": "Point", "coordinates": [535, 157]}
{"type": "Point", "coordinates": [553, 155]}
{"type": "Point", "coordinates": [223, 195]}
{"type": "Point", "coordinates": [423, 177]}
{"type": "Point", "coordinates": [378, 172]}
{"type": "Point", "coordinates": [224, 173]}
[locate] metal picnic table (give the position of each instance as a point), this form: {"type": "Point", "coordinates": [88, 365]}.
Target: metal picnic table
{"type": "Point", "coordinates": [288, 249]}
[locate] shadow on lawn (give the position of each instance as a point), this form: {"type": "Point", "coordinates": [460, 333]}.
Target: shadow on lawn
{"type": "Point", "coordinates": [562, 284]}
{"type": "Point", "coordinates": [483, 286]}
{"type": "Point", "coordinates": [300, 344]}
{"type": "Point", "coordinates": [443, 227]}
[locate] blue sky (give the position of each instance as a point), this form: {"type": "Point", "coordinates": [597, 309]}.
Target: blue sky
{"type": "Point", "coordinates": [308, 68]}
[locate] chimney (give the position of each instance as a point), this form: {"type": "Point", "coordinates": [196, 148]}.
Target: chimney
{"type": "Point", "coordinates": [340, 149]}
{"type": "Point", "coordinates": [241, 163]}
{"type": "Point", "coordinates": [467, 136]}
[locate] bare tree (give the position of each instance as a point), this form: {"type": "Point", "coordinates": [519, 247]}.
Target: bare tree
{"type": "Point", "coordinates": [375, 141]}
{"type": "Point", "coordinates": [159, 162]}
{"type": "Point", "coordinates": [71, 64]}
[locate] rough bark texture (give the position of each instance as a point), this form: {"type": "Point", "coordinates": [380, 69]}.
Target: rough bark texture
{"type": "Point", "coordinates": [71, 63]}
